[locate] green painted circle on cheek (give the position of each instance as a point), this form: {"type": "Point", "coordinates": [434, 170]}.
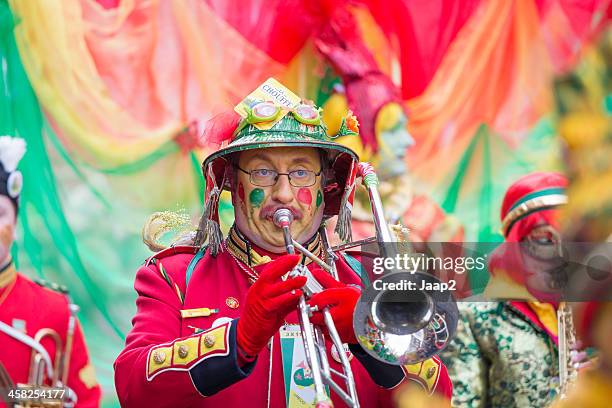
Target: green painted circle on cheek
{"type": "Point", "coordinates": [256, 197]}
{"type": "Point", "coordinates": [319, 198]}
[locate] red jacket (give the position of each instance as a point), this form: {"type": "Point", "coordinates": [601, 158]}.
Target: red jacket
{"type": "Point", "coordinates": [168, 361]}
{"type": "Point", "coordinates": [29, 307]}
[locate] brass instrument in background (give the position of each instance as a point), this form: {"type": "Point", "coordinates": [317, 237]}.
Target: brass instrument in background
{"type": "Point", "coordinates": [568, 373]}
{"type": "Point", "coordinates": [394, 327]}
{"type": "Point", "coordinates": [43, 375]}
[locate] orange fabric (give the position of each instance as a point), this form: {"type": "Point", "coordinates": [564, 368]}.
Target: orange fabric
{"type": "Point", "coordinates": [547, 314]}
{"type": "Point", "coordinates": [487, 76]}
{"type": "Point", "coordinates": [145, 64]}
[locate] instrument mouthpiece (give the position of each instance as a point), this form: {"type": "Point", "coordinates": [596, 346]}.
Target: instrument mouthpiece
{"type": "Point", "coordinates": [282, 217]}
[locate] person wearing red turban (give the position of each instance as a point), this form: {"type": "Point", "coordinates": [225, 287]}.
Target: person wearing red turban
{"type": "Point", "coordinates": [505, 353]}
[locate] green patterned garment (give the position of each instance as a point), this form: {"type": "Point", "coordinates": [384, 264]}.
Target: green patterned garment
{"type": "Point", "coordinates": [500, 359]}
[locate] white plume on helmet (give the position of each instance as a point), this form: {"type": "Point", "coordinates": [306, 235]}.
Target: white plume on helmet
{"type": "Point", "coordinates": [12, 150]}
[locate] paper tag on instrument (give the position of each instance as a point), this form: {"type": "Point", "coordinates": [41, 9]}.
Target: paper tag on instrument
{"type": "Point", "coordinates": [299, 384]}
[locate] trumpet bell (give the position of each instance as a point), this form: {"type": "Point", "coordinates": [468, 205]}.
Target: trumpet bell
{"type": "Point", "coordinates": [405, 326]}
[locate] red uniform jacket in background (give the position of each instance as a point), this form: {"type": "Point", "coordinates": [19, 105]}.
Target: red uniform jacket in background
{"type": "Point", "coordinates": [32, 307]}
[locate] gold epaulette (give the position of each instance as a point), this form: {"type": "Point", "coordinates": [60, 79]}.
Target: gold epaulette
{"type": "Point", "coordinates": [53, 286]}
{"type": "Point", "coordinates": [173, 250]}
{"type": "Point", "coordinates": [426, 373]}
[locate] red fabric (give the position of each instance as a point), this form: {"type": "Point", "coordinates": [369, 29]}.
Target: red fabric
{"type": "Point", "coordinates": [108, 4]}
{"type": "Point", "coordinates": [341, 300]}
{"type": "Point", "coordinates": [509, 258]}
{"type": "Point", "coordinates": [219, 130]}
{"type": "Point", "coordinates": [421, 31]}
{"type": "Point", "coordinates": [587, 313]}
{"type": "Point", "coordinates": [444, 386]}
{"type": "Point", "coordinates": [367, 88]}
{"type": "Point", "coordinates": [528, 184]}
{"type": "Point", "coordinates": [280, 28]}
{"type": "Point", "coordinates": [267, 304]}
{"type": "Point", "coordinates": [39, 308]}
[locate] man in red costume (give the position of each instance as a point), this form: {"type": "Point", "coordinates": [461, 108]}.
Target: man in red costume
{"type": "Point", "coordinates": [216, 323]}
{"type": "Point", "coordinates": [34, 318]}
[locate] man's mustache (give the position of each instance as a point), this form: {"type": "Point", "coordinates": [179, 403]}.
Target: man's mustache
{"type": "Point", "coordinates": [268, 211]}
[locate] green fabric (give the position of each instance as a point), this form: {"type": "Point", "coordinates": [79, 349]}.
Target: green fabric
{"type": "Point", "coordinates": [326, 87]}
{"type": "Point", "coordinates": [40, 203]}
{"type": "Point", "coordinates": [197, 170]}
{"type": "Point", "coordinates": [145, 162]}
{"type": "Point", "coordinates": [452, 194]}
{"type": "Point", "coordinates": [484, 172]}
{"type": "Point", "coordinates": [287, 344]}
{"type": "Point", "coordinates": [193, 263]}
{"type": "Point", "coordinates": [536, 194]}
{"type": "Point", "coordinates": [499, 359]}
{"type": "Point", "coordinates": [80, 226]}
{"type": "Point", "coordinates": [354, 264]}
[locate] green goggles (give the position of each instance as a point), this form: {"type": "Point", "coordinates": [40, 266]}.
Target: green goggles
{"type": "Point", "coordinates": [270, 112]}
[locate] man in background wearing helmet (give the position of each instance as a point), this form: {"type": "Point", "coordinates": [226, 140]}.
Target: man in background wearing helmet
{"type": "Point", "coordinates": [35, 319]}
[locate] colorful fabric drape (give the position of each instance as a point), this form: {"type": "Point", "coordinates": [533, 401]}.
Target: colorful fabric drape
{"type": "Point", "coordinates": [120, 83]}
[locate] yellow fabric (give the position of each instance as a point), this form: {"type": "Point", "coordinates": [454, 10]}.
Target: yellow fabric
{"type": "Point", "coordinates": [334, 109]}
{"type": "Point", "coordinates": [88, 65]}
{"type": "Point", "coordinates": [387, 117]}
{"type": "Point", "coordinates": [593, 390]}
{"type": "Point", "coordinates": [219, 340]}
{"type": "Point", "coordinates": [547, 315]}
{"type": "Point", "coordinates": [486, 76]}
{"type": "Point", "coordinates": [501, 286]}
{"type": "Point", "coordinates": [425, 372]}
{"type": "Point", "coordinates": [196, 349]}
{"type": "Point", "coordinates": [8, 276]}
{"type": "Point", "coordinates": [87, 375]}
{"type": "Point", "coordinates": [191, 344]}
{"type": "Point", "coordinates": [153, 365]}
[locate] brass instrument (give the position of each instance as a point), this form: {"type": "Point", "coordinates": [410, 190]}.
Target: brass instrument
{"type": "Point", "coordinates": [401, 327]}
{"type": "Point", "coordinates": [409, 330]}
{"type": "Point", "coordinates": [314, 342]}
{"type": "Point", "coordinates": [568, 373]}
{"type": "Point", "coordinates": [43, 375]}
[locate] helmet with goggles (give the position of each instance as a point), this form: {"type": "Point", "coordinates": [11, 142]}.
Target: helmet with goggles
{"type": "Point", "coordinates": [272, 116]}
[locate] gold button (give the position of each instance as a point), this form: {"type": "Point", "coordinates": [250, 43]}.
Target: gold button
{"type": "Point", "coordinates": [209, 340]}
{"type": "Point", "coordinates": [182, 351]}
{"type": "Point", "coordinates": [431, 372]}
{"type": "Point", "coordinates": [159, 357]}
{"type": "Point", "coordinates": [232, 302]}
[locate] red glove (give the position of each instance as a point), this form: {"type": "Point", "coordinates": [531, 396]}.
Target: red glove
{"type": "Point", "coordinates": [341, 300]}
{"type": "Point", "coordinates": [268, 301]}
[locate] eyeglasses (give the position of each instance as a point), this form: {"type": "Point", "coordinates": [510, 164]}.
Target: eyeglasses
{"type": "Point", "coordinates": [267, 177]}
{"type": "Point", "coordinates": [269, 112]}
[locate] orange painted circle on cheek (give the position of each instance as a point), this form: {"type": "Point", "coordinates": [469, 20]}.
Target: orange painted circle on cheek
{"type": "Point", "coordinates": [304, 196]}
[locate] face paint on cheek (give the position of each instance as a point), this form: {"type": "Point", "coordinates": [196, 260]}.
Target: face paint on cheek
{"type": "Point", "coordinates": [304, 196]}
{"type": "Point", "coordinates": [319, 198]}
{"type": "Point", "coordinates": [256, 197]}
{"type": "Point", "coordinates": [241, 192]}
